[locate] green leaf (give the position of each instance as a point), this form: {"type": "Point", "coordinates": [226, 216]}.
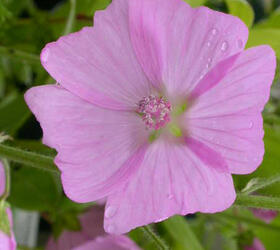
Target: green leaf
{"type": "Point", "coordinates": [181, 232]}
{"type": "Point", "coordinates": [241, 9]}
{"type": "Point", "coordinates": [34, 189]}
{"type": "Point", "coordinates": [269, 36]}
{"type": "Point", "coordinates": [272, 22]}
{"type": "Point", "coordinates": [195, 3]}
{"type": "Point", "coordinates": [13, 113]}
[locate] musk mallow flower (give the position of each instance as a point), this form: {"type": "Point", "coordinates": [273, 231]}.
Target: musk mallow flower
{"type": "Point", "coordinates": [91, 236]}
{"type": "Point", "coordinates": [157, 105]}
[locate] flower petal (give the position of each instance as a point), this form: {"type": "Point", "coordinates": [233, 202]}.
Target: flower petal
{"type": "Point", "coordinates": [119, 242]}
{"type": "Point", "coordinates": [228, 118]}
{"type": "Point", "coordinates": [171, 180]}
{"type": "Point", "coordinates": [177, 45]}
{"type": "Point", "coordinates": [97, 148]}
{"type": "Point", "coordinates": [98, 63]}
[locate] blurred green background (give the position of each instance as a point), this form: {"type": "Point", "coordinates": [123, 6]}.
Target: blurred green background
{"type": "Point", "coordinates": [25, 27]}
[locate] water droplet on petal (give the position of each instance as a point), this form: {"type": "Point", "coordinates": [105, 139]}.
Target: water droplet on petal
{"type": "Point", "coordinates": [208, 65]}
{"type": "Point", "coordinates": [214, 31]}
{"type": "Point", "coordinates": [110, 211]}
{"type": "Point", "coordinates": [170, 196]}
{"type": "Point", "coordinates": [110, 229]}
{"type": "Point", "coordinates": [240, 43]}
{"type": "Point", "coordinates": [224, 46]}
{"type": "Point", "coordinates": [208, 44]}
{"type": "Point", "coordinates": [251, 124]}
{"type": "Point", "coordinates": [161, 219]}
{"type": "Point", "coordinates": [45, 55]}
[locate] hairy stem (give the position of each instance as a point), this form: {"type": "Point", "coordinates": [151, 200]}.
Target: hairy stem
{"type": "Point", "coordinates": [258, 201]}
{"type": "Point", "coordinates": [71, 18]}
{"type": "Point", "coordinates": [20, 55]}
{"type": "Point", "coordinates": [28, 158]}
{"type": "Point", "coordinates": [154, 237]}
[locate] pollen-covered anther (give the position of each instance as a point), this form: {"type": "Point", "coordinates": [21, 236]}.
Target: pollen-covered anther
{"type": "Point", "coordinates": [155, 111]}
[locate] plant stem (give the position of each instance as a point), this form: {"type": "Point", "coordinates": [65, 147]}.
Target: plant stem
{"type": "Point", "coordinates": [8, 179]}
{"type": "Point", "coordinates": [153, 236]}
{"type": "Point", "coordinates": [18, 54]}
{"type": "Point", "coordinates": [258, 201]}
{"type": "Point", "coordinates": [262, 183]}
{"type": "Point", "coordinates": [28, 158]}
{"type": "Point", "coordinates": [245, 219]}
{"type": "Point", "coordinates": [71, 18]}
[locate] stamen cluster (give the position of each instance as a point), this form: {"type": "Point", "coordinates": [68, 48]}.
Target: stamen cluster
{"type": "Point", "coordinates": [155, 111]}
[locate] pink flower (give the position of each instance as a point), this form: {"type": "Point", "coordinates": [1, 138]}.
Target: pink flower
{"type": "Point", "coordinates": [8, 242]}
{"type": "Point", "coordinates": [157, 105]}
{"type": "Point", "coordinates": [2, 179]}
{"type": "Point", "coordinates": [265, 215]}
{"type": "Point", "coordinates": [257, 245]}
{"type": "Point", "coordinates": [92, 236]}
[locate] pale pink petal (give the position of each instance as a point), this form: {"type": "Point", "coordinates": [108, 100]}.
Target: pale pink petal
{"type": "Point", "coordinates": [8, 242]}
{"type": "Point", "coordinates": [177, 45]}
{"type": "Point", "coordinates": [2, 179]}
{"type": "Point", "coordinates": [265, 215]}
{"type": "Point", "coordinates": [67, 241]}
{"type": "Point", "coordinates": [98, 149]}
{"type": "Point", "coordinates": [98, 63]}
{"type": "Point", "coordinates": [227, 117]}
{"type": "Point", "coordinates": [171, 180]}
{"type": "Point", "coordinates": [257, 245]}
{"type": "Point", "coordinates": [110, 242]}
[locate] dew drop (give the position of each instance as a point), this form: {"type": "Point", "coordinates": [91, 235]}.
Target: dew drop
{"type": "Point", "coordinates": [170, 196]}
{"type": "Point", "coordinates": [240, 43]}
{"type": "Point", "coordinates": [224, 46]}
{"type": "Point", "coordinates": [208, 44]}
{"type": "Point", "coordinates": [45, 55]}
{"type": "Point", "coordinates": [251, 124]}
{"type": "Point", "coordinates": [110, 212]}
{"type": "Point", "coordinates": [214, 31]}
{"type": "Point", "coordinates": [161, 219]}
{"type": "Point", "coordinates": [208, 65]}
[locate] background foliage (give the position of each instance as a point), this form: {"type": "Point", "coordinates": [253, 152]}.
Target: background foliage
{"type": "Point", "coordinates": [26, 26]}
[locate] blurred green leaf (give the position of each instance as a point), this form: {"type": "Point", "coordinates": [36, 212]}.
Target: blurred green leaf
{"type": "Point", "coordinates": [272, 22]}
{"type": "Point", "coordinates": [67, 221]}
{"type": "Point", "coordinates": [241, 9]}
{"type": "Point", "coordinates": [269, 238]}
{"type": "Point", "coordinates": [13, 114]}
{"type": "Point", "coordinates": [181, 232]}
{"type": "Point", "coordinates": [269, 36]}
{"type": "Point", "coordinates": [34, 189]}
{"type": "Point", "coordinates": [195, 3]}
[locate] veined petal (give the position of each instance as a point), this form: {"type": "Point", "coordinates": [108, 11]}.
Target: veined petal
{"type": "Point", "coordinates": [113, 242]}
{"type": "Point", "coordinates": [98, 149]}
{"type": "Point", "coordinates": [98, 63]}
{"type": "Point", "coordinates": [228, 118]}
{"type": "Point", "coordinates": [171, 180]}
{"type": "Point", "coordinates": [177, 45]}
